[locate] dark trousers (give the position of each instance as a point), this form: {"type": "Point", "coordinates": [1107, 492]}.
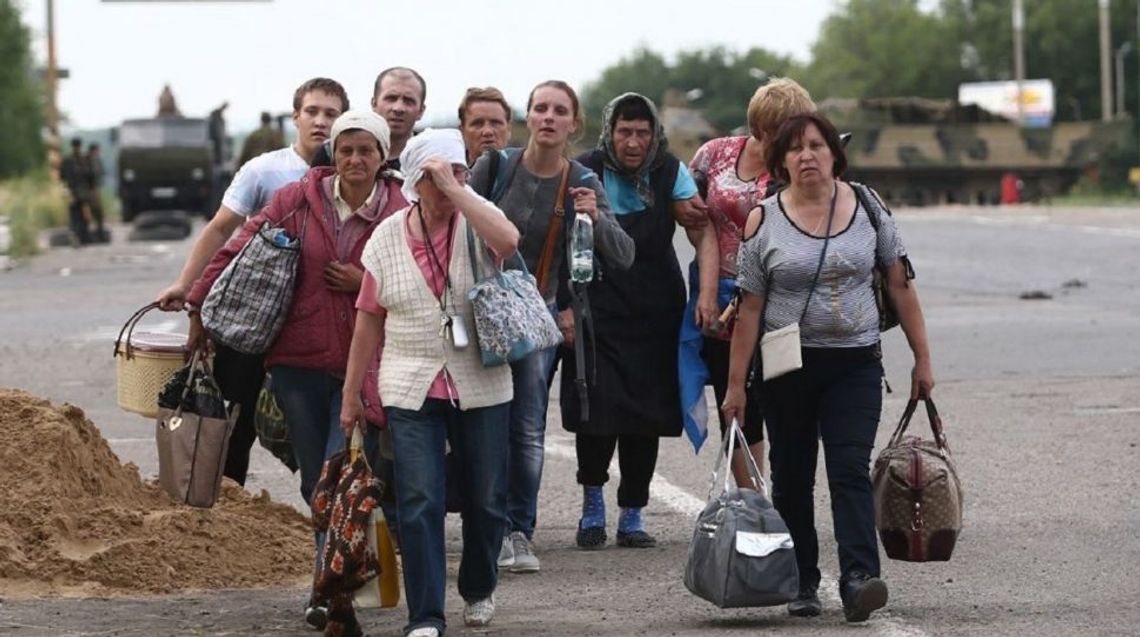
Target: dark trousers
{"type": "Point", "coordinates": [239, 377]}
{"type": "Point", "coordinates": [715, 354]}
{"type": "Point", "coordinates": [637, 458]}
{"type": "Point", "coordinates": [836, 397]}
{"type": "Point", "coordinates": [78, 220]}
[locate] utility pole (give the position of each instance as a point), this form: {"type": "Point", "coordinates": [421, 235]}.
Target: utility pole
{"type": "Point", "coordinates": [1121, 52]}
{"type": "Point", "coordinates": [1105, 64]}
{"type": "Point", "coordinates": [51, 79]}
{"type": "Point", "coordinates": [1019, 57]}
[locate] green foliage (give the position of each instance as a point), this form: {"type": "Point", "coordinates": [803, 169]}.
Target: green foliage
{"type": "Point", "coordinates": [32, 203]}
{"type": "Point", "coordinates": [884, 48]}
{"type": "Point", "coordinates": [21, 116]}
{"type": "Point", "coordinates": [1062, 43]}
{"type": "Point", "coordinates": [723, 78]}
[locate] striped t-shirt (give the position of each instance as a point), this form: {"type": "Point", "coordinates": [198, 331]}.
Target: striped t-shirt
{"type": "Point", "coordinates": [779, 261]}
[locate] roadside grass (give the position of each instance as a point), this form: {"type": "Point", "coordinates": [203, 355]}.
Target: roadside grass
{"type": "Point", "coordinates": [31, 203]}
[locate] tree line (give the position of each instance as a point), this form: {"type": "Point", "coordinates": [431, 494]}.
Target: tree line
{"type": "Point", "coordinates": [893, 48]}
{"type": "Point", "coordinates": [21, 101]}
{"type": "Point", "coordinates": [867, 48]}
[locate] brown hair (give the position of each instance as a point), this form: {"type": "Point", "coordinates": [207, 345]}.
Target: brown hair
{"type": "Point", "coordinates": [323, 84]}
{"type": "Point", "coordinates": [791, 131]}
{"type": "Point", "coordinates": [400, 70]}
{"type": "Point", "coordinates": [488, 94]}
{"type": "Point", "coordinates": [565, 88]}
{"type": "Point", "coordinates": [775, 102]}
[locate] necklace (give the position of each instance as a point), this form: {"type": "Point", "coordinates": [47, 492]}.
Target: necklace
{"type": "Point", "coordinates": [823, 218]}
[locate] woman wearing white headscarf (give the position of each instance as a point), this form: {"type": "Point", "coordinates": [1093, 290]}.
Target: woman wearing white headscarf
{"type": "Point", "coordinates": [433, 384]}
{"type": "Point", "coordinates": [330, 212]}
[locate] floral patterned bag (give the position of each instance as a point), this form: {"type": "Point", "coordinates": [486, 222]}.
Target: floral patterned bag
{"type": "Point", "coordinates": [511, 318]}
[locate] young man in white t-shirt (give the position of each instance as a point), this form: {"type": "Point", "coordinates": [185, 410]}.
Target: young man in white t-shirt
{"type": "Point", "coordinates": [316, 104]}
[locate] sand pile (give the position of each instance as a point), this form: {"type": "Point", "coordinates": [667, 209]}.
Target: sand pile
{"type": "Point", "coordinates": [75, 519]}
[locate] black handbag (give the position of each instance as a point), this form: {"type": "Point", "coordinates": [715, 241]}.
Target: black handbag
{"type": "Point", "coordinates": [875, 207]}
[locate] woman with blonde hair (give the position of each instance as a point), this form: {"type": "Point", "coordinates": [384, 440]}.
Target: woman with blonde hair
{"type": "Point", "coordinates": [732, 178]}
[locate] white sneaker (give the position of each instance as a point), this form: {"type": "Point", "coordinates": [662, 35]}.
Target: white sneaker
{"type": "Point", "coordinates": [525, 559]}
{"type": "Point", "coordinates": [506, 553]}
{"type": "Point", "coordinates": [479, 613]}
{"type": "Point", "coordinates": [425, 631]}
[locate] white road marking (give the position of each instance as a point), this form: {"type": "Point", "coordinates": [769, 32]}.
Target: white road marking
{"type": "Point", "coordinates": [689, 505]}
{"type": "Point", "coordinates": [1037, 221]}
{"type": "Point", "coordinates": [1102, 411]}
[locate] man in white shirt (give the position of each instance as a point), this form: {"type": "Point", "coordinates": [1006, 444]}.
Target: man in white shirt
{"type": "Point", "coordinates": [316, 104]}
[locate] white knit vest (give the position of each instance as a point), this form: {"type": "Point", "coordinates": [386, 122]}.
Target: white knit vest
{"type": "Point", "coordinates": [414, 352]}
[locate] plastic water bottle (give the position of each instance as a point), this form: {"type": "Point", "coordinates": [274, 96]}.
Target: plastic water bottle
{"type": "Point", "coordinates": [582, 249]}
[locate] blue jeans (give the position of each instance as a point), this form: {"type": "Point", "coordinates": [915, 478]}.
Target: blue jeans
{"type": "Point", "coordinates": [310, 400]}
{"type": "Point", "coordinates": [528, 432]}
{"type": "Point", "coordinates": [479, 438]}
{"type": "Point", "coordinates": [837, 398]}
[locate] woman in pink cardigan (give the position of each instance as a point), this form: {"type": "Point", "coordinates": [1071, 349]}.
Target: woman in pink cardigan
{"type": "Point", "coordinates": [333, 211]}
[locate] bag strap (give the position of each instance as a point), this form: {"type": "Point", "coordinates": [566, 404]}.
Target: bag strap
{"type": "Point", "coordinates": [471, 253]}
{"type": "Point", "coordinates": [818, 266]}
{"type": "Point", "coordinates": [547, 257]}
{"type": "Point", "coordinates": [195, 358]}
{"type": "Point", "coordinates": [932, 416]}
{"type": "Point", "coordinates": [822, 252]}
{"type": "Point", "coordinates": [494, 159]}
{"type": "Point", "coordinates": [129, 329]}
{"type": "Point", "coordinates": [735, 434]}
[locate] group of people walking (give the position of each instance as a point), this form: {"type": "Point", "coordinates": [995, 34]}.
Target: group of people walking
{"type": "Point", "coordinates": [381, 314]}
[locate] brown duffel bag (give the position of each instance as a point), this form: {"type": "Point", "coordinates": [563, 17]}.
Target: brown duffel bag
{"type": "Point", "coordinates": [918, 497]}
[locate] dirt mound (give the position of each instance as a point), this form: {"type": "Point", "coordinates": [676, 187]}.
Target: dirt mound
{"type": "Point", "coordinates": [75, 519]}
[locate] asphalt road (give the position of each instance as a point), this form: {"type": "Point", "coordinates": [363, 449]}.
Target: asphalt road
{"type": "Point", "coordinates": [1041, 399]}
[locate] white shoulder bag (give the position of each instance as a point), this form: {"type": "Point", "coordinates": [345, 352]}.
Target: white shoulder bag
{"type": "Point", "coordinates": [780, 349]}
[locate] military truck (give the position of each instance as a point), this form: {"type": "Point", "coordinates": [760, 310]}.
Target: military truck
{"type": "Point", "coordinates": [170, 163]}
{"type": "Point", "coordinates": [920, 152]}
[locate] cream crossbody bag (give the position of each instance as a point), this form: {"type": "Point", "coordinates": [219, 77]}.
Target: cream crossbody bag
{"type": "Point", "coordinates": [780, 349]}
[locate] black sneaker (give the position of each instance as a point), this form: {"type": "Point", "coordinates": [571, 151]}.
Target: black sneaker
{"type": "Point", "coordinates": [806, 604]}
{"type": "Point", "coordinates": [636, 540]}
{"type": "Point", "coordinates": [862, 594]}
{"type": "Point", "coordinates": [590, 538]}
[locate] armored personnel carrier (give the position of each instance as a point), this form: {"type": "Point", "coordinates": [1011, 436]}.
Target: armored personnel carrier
{"type": "Point", "coordinates": [919, 152]}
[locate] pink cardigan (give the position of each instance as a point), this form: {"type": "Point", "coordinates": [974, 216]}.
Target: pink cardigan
{"type": "Point", "coordinates": [318, 328]}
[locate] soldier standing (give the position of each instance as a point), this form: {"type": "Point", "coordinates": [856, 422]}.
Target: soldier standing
{"type": "Point", "coordinates": [75, 173]}
{"type": "Point", "coordinates": [262, 140]}
{"type": "Point", "coordinates": [96, 173]}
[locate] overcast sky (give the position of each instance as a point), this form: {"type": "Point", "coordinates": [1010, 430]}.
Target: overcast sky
{"type": "Point", "coordinates": [254, 54]}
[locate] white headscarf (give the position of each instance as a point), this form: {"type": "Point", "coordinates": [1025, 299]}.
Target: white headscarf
{"type": "Point", "coordinates": [433, 142]}
{"type": "Point", "coordinates": [366, 121]}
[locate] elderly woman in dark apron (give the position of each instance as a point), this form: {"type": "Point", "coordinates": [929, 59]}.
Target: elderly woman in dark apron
{"type": "Point", "coordinates": [632, 391]}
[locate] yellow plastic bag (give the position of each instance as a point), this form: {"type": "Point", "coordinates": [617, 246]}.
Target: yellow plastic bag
{"type": "Point", "coordinates": [382, 591]}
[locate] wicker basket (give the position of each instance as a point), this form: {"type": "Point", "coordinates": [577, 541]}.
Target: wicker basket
{"type": "Point", "coordinates": [144, 362]}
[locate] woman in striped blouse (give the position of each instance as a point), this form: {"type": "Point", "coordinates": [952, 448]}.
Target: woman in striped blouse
{"type": "Point", "coordinates": [809, 258]}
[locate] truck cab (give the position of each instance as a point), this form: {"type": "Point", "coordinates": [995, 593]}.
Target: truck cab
{"type": "Point", "coordinates": [170, 164]}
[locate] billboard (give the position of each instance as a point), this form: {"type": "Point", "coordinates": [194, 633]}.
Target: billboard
{"type": "Point", "coordinates": [1000, 98]}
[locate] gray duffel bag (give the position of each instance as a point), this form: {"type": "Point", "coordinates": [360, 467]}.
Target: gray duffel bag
{"type": "Point", "coordinates": [741, 555]}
